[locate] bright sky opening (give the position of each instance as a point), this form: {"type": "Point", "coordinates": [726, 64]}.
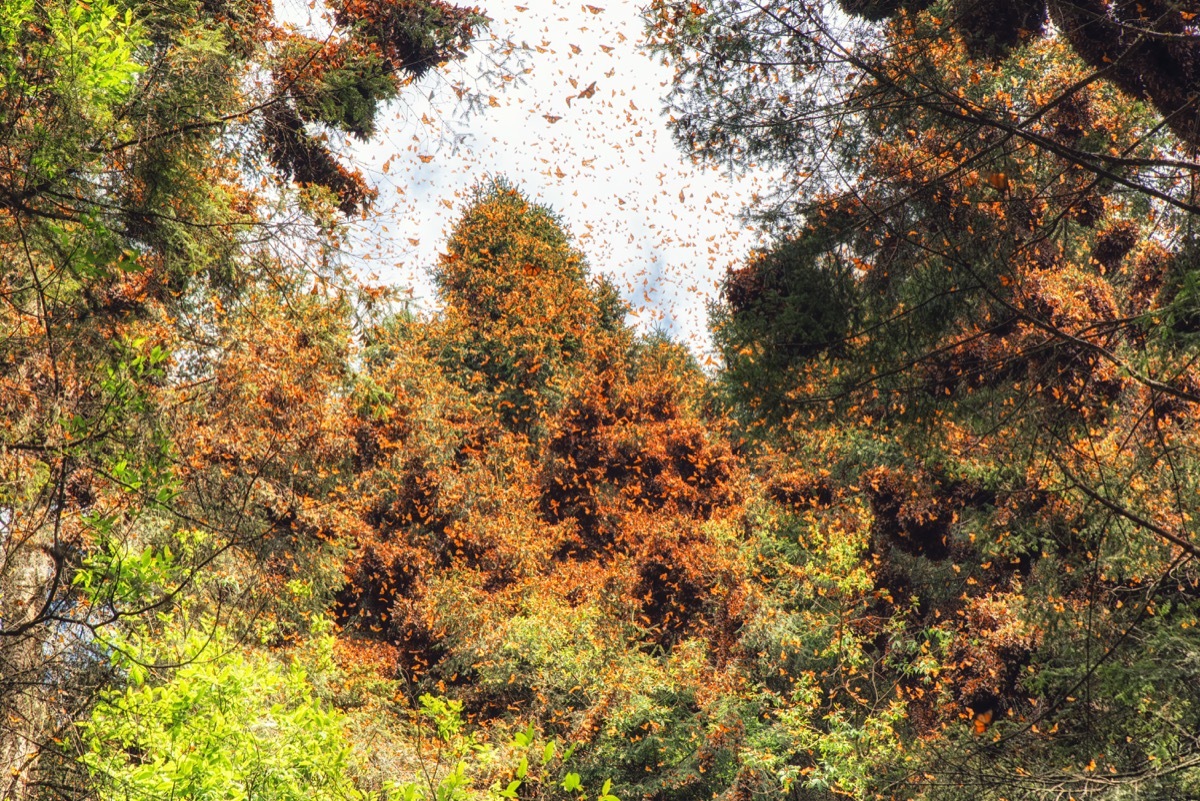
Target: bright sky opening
{"type": "Point", "coordinates": [574, 116]}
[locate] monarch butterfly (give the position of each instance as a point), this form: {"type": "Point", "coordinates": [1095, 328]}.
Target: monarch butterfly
{"type": "Point", "coordinates": [998, 180]}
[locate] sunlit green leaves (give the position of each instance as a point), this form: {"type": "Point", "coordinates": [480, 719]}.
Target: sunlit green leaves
{"type": "Point", "coordinates": [227, 726]}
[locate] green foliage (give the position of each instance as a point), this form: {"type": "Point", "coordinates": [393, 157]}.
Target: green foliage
{"type": "Point", "coordinates": [88, 49]}
{"type": "Point", "coordinates": [521, 315]}
{"type": "Point", "coordinates": [96, 45]}
{"type": "Point", "coordinates": [456, 765]}
{"type": "Point", "coordinates": [786, 307]}
{"type": "Point", "coordinates": [227, 725]}
{"type": "Point", "coordinates": [795, 301]}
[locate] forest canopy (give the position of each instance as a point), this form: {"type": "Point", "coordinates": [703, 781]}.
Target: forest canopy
{"type": "Point", "coordinates": [926, 531]}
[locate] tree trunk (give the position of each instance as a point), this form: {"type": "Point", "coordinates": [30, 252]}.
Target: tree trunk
{"type": "Point", "coordinates": [26, 572]}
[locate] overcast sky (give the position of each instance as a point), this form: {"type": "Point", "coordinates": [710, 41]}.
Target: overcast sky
{"type": "Point", "coordinates": [664, 229]}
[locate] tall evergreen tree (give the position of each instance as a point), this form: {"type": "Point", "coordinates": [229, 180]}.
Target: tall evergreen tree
{"type": "Point", "coordinates": [973, 326]}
